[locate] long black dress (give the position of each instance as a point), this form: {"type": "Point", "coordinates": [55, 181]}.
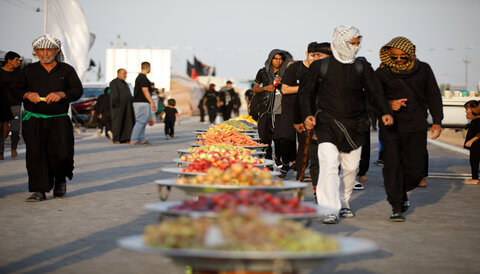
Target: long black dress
{"type": "Point", "coordinates": [49, 138]}
{"type": "Point", "coordinates": [123, 117]}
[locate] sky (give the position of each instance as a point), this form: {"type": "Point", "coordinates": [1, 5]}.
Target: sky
{"type": "Point", "coordinates": [236, 36]}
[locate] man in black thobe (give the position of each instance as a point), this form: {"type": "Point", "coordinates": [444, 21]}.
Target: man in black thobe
{"type": "Point", "coordinates": [47, 87]}
{"type": "Point", "coordinates": [123, 117]}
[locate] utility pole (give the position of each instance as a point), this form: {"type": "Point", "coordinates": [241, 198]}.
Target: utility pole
{"type": "Point", "coordinates": [466, 61]}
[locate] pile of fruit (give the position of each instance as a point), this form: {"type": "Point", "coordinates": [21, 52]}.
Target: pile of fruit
{"type": "Point", "coordinates": [218, 161]}
{"type": "Point", "coordinates": [232, 156]}
{"type": "Point", "coordinates": [224, 127]}
{"type": "Point", "coordinates": [258, 199]}
{"type": "Point", "coordinates": [242, 124]}
{"type": "Point", "coordinates": [237, 174]}
{"type": "Point", "coordinates": [231, 137]}
{"type": "Point", "coordinates": [222, 148]}
{"type": "Point", "coordinates": [238, 231]}
{"type": "Point", "coordinates": [246, 118]}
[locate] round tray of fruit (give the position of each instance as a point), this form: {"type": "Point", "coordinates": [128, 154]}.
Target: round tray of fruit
{"type": "Point", "coordinates": [178, 171]}
{"type": "Point", "coordinates": [254, 161]}
{"type": "Point", "coordinates": [245, 241]}
{"type": "Point", "coordinates": [285, 207]}
{"type": "Point", "coordinates": [236, 177]}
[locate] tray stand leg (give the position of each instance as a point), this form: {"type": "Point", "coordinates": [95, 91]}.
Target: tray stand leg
{"type": "Point", "coordinates": [161, 195]}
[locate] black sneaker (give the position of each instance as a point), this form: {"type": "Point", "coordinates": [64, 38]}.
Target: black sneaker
{"type": "Point", "coordinates": [397, 217]}
{"type": "Point", "coordinates": [346, 213]}
{"type": "Point", "coordinates": [330, 219]}
{"type": "Point", "coordinates": [36, 197]}
{"type": "Point", "coordinates": [405, 206]}
{"type": "Point", "coordinates": [60, 190]}
{"type": "Point", "coordinates": [358, 186]}
{"type": "Point", "coordinates": [378, 162]}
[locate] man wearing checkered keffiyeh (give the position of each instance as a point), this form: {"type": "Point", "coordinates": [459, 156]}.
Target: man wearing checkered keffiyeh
{"type": "Point", "coordinates": [411, 89]}
{"type": "Point", "coordinates": [47, 88]}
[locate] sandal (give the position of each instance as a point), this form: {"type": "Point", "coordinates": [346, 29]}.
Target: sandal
{"type": "Point", "coordinates": [36, 197]}
{"type": "Point", "coordinates": [146, 143]}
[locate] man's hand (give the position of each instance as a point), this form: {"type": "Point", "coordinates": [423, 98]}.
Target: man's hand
{"type": "Point", "coordinates": [99, 116]}
{"type": "Point", "coordinates": [269, 88]}
{"type": "Point", "coordinates": [299, 127]}
{"type": "Point", "coordinates": [310, 122]}
{"type": "Point", "coordinates": [387, 119]}
{"type": "Point", "coordinates": [154, 108]}
{"type": "Point", "coordinates": [397, 104]}
{"type": "Point", "coordinates": [436, 131]}
{"type": "Point", "coordinates": [469, 143]}
{"type": "Point", "coordinates": [32, 97]}
{"type": "Point", "coordinates": [54, 97]}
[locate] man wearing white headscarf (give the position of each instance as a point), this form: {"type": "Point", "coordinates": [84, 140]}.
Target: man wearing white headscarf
{"type": "Point", "coordinates": [339, 85]}
{"type": "Point", "coordinates": [47, 87]}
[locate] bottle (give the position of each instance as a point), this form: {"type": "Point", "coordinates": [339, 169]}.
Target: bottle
{"type": "Point", "coordinates": [275, 84]}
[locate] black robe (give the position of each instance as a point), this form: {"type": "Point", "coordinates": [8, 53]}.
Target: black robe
{"type": "Point", "coordinates": [49, 141]}
{"type": "Point", "coordinates": [123, 117]}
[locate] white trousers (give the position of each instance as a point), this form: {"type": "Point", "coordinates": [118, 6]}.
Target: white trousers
{"type": "Point", "coordinates": [334, 188]}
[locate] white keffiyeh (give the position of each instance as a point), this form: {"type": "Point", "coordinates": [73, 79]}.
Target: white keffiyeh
{"type": "Point", "coordinates": [47, 41]}
{"type": "Point", "coordinates": [342, 50]}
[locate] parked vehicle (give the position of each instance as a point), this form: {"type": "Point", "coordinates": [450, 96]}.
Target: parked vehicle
{"type": "Point", "coordinates": [83, 107]}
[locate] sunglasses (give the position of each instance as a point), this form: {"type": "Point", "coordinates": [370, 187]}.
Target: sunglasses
{"type": "Point", "coordinates": [402, 57]}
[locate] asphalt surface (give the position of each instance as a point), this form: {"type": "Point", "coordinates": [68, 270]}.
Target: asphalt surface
{"type": "Point", "coordinates": [78, 234]}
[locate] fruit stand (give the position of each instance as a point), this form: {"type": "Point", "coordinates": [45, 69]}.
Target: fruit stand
{"type": "Point", "coordinates": [238, 222]}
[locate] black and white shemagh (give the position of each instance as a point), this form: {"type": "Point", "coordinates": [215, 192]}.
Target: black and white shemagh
{"type": "Point", "coordinates": [47, 41]}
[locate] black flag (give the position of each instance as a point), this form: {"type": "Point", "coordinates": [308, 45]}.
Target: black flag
{"type": "Point", "coordinates": [201, 68]}
{"type": "Point", "coordinates": [189, 68]}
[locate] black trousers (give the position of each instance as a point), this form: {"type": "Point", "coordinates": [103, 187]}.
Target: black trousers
{"type": "Point", "coordinates": [202, 114]}
{"type": "Point", "coordinates": [365, 157]}
{"type": "Point", "coordinates": [312, 157]}
{"type": "Point", "coordinates": [212, 114]}
{"type": "Point", "coordinates": [265, 132]}
{"type": "Point", "coordinates": [49, 156]}
{"type": "Point", "coordinates": [404, 163]}
{"type": "Point", "coordinates": [475, 159]}
{"type": "Point", "coordinates": [285, 151]}
{"type": "Point", "coordinates": [169, 128]}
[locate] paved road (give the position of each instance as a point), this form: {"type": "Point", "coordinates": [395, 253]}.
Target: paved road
{"type": "Point", "coordinates": [78, 234]}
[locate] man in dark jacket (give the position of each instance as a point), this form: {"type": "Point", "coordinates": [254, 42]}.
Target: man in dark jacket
{"type": "Point", "coordinates": [339, 118]}
{"type": "Point", "coordinates": [266, 102]}
{"type": "Point", "coordinates": [123, 117]}
{"type": "Point", "coordinates": [8, 74]}
{"type": "Point", "coordinates": [410, 88]}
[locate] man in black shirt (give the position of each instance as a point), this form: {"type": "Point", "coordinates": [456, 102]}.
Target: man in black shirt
{"type": "Point", "coordinates": [8, 73]}
{"type": "Point", "coordinates": [291, 118]}
{"type": "Point", "coordinates": [142, 102]}
{"type": "Point", "coordinates": [47, 88]}
{"type": "Point", "coordinates": [339, 118]}
{"type": "Point", "coordinates": [410, 88]}
{"type": "Point", "coordinates": [268, 97]}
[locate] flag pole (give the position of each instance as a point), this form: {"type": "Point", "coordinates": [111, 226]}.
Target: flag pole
{"type": "Point", "coordinates": [45, 17]}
